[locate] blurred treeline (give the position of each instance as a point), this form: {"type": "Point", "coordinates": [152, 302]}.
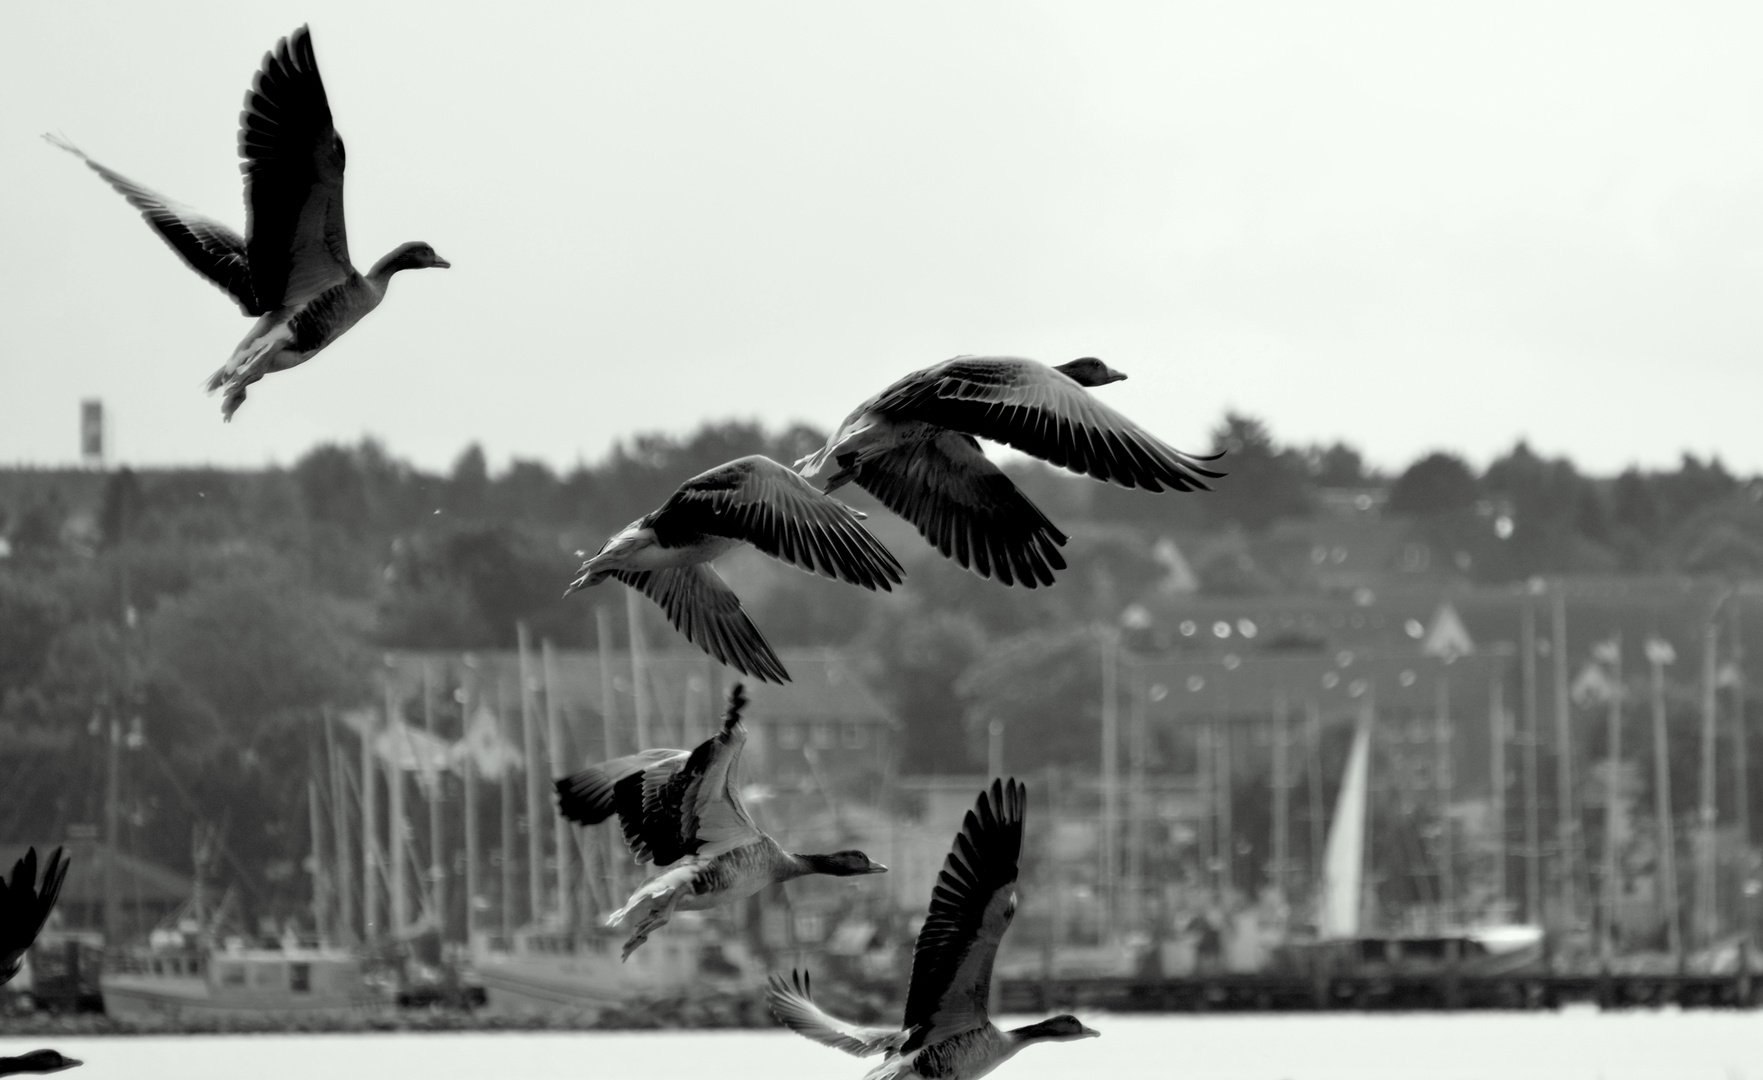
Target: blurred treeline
{"type": "Point", "coordinates": [211, 616]}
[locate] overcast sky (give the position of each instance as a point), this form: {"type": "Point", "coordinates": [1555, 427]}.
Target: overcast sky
{"type": "Point", "coordinates": [1406, 226]}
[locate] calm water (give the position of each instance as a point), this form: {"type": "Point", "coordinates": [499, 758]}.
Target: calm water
{"type": "Point", "coordinates": [1569, 1046]}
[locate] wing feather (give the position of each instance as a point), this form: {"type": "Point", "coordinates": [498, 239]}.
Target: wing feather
{"type": "Point", "coordinates": [701, 606]}
{"type": "Point", "coordinates": [696, 808]}
{"type": "Point", "coordinates": [1040, 411]}
{"type": "Point", "coordinates": [967, 508]}
{"type": "Point", "coordinates": [205, 245]}
{"type": "Point", "coordinates": [971, 907]}
{"type": "Point", "coordinates": [589, 797]}
{"type": "Point", "coordinates": [794, 1007]}
{"type": "Point", "coordinates": [293, 164]}
{"type": "Point", "coordinates": [25, 906]}
{"type": "Point", "coordinates": [760, 502]}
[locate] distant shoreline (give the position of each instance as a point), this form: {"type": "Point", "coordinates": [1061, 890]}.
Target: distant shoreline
{"type": "Point", "coordinates": [701, 1013]}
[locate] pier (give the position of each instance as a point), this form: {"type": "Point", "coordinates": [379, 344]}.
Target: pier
{"type": "Point", "coordinates": [1376, 992]}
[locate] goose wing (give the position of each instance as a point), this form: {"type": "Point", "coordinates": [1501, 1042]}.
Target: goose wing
{"type": "Point", "coordinates": [970, 908]}
{"type": "Point", "coordinates": [24, 907]}
{"type": "Point", "coordinates": [588, 797]}
{"type": "Point", "coordinates": [967, 508]}
{"type": "Point", "coordinates": [795, 1009]}
{"type": "Point", "coordinates": [694, 807]}
{"type": "Point", "coordinates": [1037, 410]}
{"type": "Point", "coordinates": [206, 246]}
{"type": "Point", "coordinates": [297, 244]}
{"type": "Point", "coordinates": [702, 606]}
{"type": "Point", "coordinates": [758, 501]}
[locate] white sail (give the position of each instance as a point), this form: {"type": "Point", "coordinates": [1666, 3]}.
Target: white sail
{"type": "Point", "coordinates": [1343, 860]}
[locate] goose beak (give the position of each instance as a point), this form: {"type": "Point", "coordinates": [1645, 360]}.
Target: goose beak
{"type": "Point", "coordinates": [1089, 1033]}
{"type": "Point", "coordinates": [876, 868]}
{"type": "Point", "coordinates": [442, 263]}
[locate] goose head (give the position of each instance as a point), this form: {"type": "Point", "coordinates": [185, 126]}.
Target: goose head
{"type": "Point", "coordinates": [1089, 371]}
{"type": "Point", "coordinates": [844, 864]}
{"type": "Point", "coordinates": [1063, 1028]}
{"type": "Point", "coordinates": [415, 255]}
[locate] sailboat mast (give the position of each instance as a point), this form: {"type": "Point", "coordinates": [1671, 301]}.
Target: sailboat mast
{"type": "Point", "coordinates": [1226, 791]}
{"type": "Point", "coordinates": [1318, 856]}
{"type": "Point", "coordinates": [370, 862]}
{"type": "Point", "coordinates": [1707, 911]}
{"type": "Point", "coordinates": [1497, 731]}
{"type": "Point", "coordinates": [1282, 796]}
{"type": "Point", "coordinates": [1612, 767]}
{"type": "Point", "coordinates": [395, 827]}
{"type": "Point", "coordinates": [1110, 873]}
{"type": "Point", "coordinates": [1659, 654]}
{"type": "Point", "coordinates": [112, 835]}
{"type": "Point", "coordinates": [608, 735]}
{"type": "Point", "coordinates": [504, 727]}
{"type": "Point", "coordinates": [1533, 887]}
{"type": "Point", "coordinates": [1566, 815]}
{"type": "Point", "coordinates": [529, 752]}
{"type": "Point", "coordinates": [473, 887]}
{"type": "Point", "coordinates": [1741, 790]}
{"type": "Point", "coordinates": [1138, 749]}
{"type": "Point", "coordinates": [554, 741]}
{"type": "Point", "coordinates": [437, 848]}
{"type": "Point", "coordinates": [321, 885]}
{"type": "Point", "coordinates": [345, 885]}
{"type": "Point", "coordinates": [633, 617]}
{"type": "Point", "coordinates": [1443, 784]}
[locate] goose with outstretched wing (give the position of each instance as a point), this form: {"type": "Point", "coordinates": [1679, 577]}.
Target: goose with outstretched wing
{"type": "Point", "coordinates": [666, 553]}
{"type": "Point", "coordinates": [947, 1032]}
{"type": "Point", "coordinates": [682, 810]}
{"type": "Point", "coordinates": [291, 269]}
{"type": "Point", "coordinates": [25, 907]}
{"type": "Point", "coordinates": [915, 447]}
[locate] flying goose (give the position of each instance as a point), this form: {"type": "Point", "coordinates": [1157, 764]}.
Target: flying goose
{"type": "Point", "coordinates": [682, 810]}
{"type": "Point", "coordinates": [292, 267]}
{"type": "Point", "coordinates": [946, 1032]}
{"type": "Point", "coordinates": [24, 907]}
{"type": "Point", "coordinates": [666, 553]}
{"type": "Point", "coordinates": [914, 447]}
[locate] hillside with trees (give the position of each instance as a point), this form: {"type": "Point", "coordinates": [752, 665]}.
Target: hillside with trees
{"type": "Point", "coordinates": [209, 617]}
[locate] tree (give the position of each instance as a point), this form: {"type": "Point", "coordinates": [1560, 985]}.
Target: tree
{"type": "Point", "coordinates": [1337, 465]}
{"type": "Point", "coordinates": [1549, 500]}
{"type": "Point", "coordinates": [248, 648]}
{"type": "Point", "coordinates": [1635, 505]}
{"type": "Point", "coordinates": [1438, 483]}
{"type": "Point", "coordinates": [913, 658]}
{"type": "Point", "coordinates": [30, 616]}
{"type": "Point", "coordinates": [123, 506]}
{"type": "Point", "coordinates": [466, 586]}
{"type": "Point", "coordinates": [469, 486]}
{"type": "Point", "coordinates": [1263, 483]}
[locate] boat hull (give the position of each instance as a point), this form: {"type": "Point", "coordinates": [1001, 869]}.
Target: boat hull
{"type": "Point", "coordinates": [156, 998]}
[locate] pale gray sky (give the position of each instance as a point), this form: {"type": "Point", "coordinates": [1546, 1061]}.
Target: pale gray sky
{"type": "Point", "coordinates": [1409, 226]}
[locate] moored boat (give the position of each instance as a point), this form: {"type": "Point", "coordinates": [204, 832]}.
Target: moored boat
{"type": "Point", "coordinates": [184, 982]}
